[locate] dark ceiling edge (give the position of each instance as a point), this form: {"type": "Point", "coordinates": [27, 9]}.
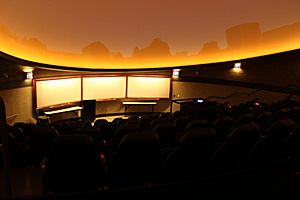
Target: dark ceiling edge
{"type": "Point", "coordinates": [24, 62]}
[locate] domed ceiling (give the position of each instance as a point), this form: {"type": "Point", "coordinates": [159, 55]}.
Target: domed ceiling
{"type": "Point", "coordinates": [134, 34]}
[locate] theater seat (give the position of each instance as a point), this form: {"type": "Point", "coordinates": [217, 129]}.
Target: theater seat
{"type": "Point", "coordinates": [191, 159]}
{"type": "Point", "coordinates": [271, 146]}
{"type": "Point", "coordinates": [136, 161]}
{"type": "Point", "coordinates": [73, 165]}
{"type": "Point", "coordinates": [40, 142]}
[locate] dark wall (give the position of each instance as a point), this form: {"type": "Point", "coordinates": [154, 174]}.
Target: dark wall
{"type": "Point", "coordinates": [277, 70]}
{"type": "Point", "coordinates": [11, 75]}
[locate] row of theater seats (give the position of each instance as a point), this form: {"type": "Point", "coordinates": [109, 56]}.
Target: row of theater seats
{"type": "Point", "coordinates": [155, 149]}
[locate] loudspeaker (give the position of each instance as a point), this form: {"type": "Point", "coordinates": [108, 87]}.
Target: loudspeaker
{"type": "Point", "coordinates": [88, 112]}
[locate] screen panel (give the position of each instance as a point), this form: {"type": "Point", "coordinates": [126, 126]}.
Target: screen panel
{"type": "Point", "coordinates": [104, 87]}
{"type": "Point", "coordinates": [58, 91]}
{"type": "Point", "coordinates": [148, 87]}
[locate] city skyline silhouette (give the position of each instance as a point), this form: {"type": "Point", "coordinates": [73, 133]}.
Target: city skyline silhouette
{"type": "Point", "coordinates": [244, 39]}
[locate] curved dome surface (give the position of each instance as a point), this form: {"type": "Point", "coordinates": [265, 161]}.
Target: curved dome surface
{"type": "Point", "coordinates": [136, 34]}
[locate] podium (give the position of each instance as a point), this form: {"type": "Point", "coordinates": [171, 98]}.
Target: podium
{"type": "Point", "coordinates": [88, 112]}
{"type": "Point", "coordinates": [200, 109]}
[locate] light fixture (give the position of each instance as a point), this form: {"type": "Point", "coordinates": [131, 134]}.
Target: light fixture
{"type": "Point", "coordinates": [28, 75]}
{"type": "Point", "coordinates": [175, 73]}
{"type": "Point", "coordinates": [28, 72]}
{"type": "Point", "coordinates": [237, 68]}
{"type": "Point", "coordinates": [237, 65]}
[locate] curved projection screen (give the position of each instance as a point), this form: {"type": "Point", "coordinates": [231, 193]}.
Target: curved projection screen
{"type": "Point", "coordinates": [53, 92]}
{"type": "Point", "coordinates": [148, 87]}
{"type": "Point", "coordinates": [137, 34]}
{"type": "Point", "coordinates": [104, 87]}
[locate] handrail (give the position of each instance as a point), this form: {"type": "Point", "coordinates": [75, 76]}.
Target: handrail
{"type": "Point", "coordinates": [243, 93]}
{"type": "Point", "coordinates": [282, 89]}
{"type": "Point", "coordinates": [235, 93]}
{"type": "Point", "coordinates": [11, 117]}
{"type": "Point", "coordinates": [256, 91]}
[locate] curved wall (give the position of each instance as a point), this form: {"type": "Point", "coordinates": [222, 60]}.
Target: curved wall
{"type": "Point", "coordinates": [268, 72]}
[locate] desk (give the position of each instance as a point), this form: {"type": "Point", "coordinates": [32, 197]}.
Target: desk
{"type": "Point", "coordinates": [75, 108]}
{"type": "Point", "coordinates": [65, 113]}
{"type": "Point", "coordinates": [135, 103]}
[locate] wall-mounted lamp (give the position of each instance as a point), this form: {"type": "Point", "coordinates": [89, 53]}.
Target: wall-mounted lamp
{"type": "Point", "coordinates": [237, 65]}
{"type": "Point", "coordinates": [28, 75]}
{"type": "Point", "coordinates": [237, 68]}
{"type": "Point", "coordinates": [200, 100]}
{"type": "Point", "coordinates": [175, 73]}
{"type": "Point", "coordinates": [28, 72]}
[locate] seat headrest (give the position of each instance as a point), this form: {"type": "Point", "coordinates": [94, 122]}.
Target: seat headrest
{"type": "Point", "coordinates": [140, 139]}
{"type": "Point", "coordinates": [281, 127]}
{"type": "Point", "coordinates": [198, 136]}
{"type": "Point", "coordinates": [74, 139]}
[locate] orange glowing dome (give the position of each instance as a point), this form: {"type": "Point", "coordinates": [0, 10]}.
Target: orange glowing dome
{"type": "Point", "coordinates": [138, 34]}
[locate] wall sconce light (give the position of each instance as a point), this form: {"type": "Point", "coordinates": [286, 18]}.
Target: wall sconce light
{"type": "Point", "coordinates": [28, 75]}
{"type": "Point", "coordinates": [28, 72]}
{"type": "Point", "coordinates": [237, 68]}
{"type": "Point", "coordinates": [237, 65]}
{"type": "Point", "coordinates": [175, 73]}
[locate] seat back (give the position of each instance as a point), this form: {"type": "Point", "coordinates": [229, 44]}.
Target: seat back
{"type": "Point", "coordinates": [136, 161]}
{"type": "Point", "coordinates": [73, 165]}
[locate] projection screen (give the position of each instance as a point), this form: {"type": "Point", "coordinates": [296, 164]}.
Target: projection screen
{"type": "Point", "coordinates": [148, 87]}
{"type": "Point", "coordinates": [58, 91]}
{"type": "Point", "coordinates": [104, 87]}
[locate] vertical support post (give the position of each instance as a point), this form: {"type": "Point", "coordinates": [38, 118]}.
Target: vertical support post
{"type": "Point", "coordinates": [126, 108]}
{"type": "Point", "coordinates": [4, 139]}
{"type": "Point", "coordinates": [171, 105]}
